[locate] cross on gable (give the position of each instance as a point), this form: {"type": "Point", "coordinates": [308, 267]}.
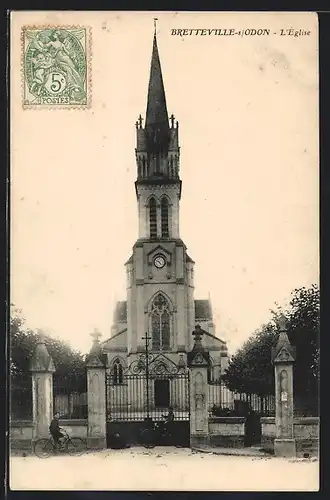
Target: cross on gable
{"type": "Point", "coordinates": [198, 334]}
{"type": "Point", "coordinates": [96, 335]}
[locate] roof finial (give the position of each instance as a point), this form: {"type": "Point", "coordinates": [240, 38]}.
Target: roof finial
{"type": "Point", "coordinates": [96, 335]}
{"type": "Point", "coordinates": [155, 23]}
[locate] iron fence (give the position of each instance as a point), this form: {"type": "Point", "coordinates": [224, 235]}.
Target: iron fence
{"type": "Point", "coordinates": [138, 396]}
{"type": "Point", "coordinates": [20, 400]}
{"type": "Point", "coordinates": [69, 399]}
{"type": "Point", "coordinates": [224, 402]}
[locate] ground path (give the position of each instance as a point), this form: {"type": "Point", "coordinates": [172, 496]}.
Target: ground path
{"type": "Point", "coordinates": [163, 468]}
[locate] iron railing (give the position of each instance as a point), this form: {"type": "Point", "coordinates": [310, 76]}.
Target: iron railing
{"type": "Point", "coordinates": [224, 402]}
{"type": "Point", "coordinates": [70, 398]}
{"type": "Point", "coordinates": [139, 397]}
{"type": "Point", "coordinates": [20, 402]}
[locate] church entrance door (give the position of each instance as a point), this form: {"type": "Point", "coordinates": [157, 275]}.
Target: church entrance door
{"type": "Point", "coordinates": [162, 393]}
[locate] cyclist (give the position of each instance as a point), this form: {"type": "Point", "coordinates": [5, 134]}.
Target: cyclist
{"type": "Point", "coordinates": [55, 429]}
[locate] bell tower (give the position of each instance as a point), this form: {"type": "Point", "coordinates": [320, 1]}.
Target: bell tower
{"type": "Point", "coordinates": [160, 308]}
{"type": "Point", "coordinates": [160, 274]}
{"type": "Point", "coordinates": [157, 159]}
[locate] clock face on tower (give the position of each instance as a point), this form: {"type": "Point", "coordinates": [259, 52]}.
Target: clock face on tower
{"type": "Point", "coordinates": [159, 261]}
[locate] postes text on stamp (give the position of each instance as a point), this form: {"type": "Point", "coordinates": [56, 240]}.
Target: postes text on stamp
{"type": "Point", "coordinates": [55, 67]}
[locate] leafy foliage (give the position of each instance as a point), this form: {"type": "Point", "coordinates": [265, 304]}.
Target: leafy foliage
{"type": "Point", "coordinates": [69, 363]}
{"type": "Point", "coordinates": [250, 369]}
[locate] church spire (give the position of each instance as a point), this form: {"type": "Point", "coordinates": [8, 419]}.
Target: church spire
{"type": "Point", "coordinates": [157, 122]}
{"type": "Point", "coordinates": [157, 137]}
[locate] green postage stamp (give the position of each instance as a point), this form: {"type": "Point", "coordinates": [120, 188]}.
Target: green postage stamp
{"type": "Point", "coordinates": [56, 67]}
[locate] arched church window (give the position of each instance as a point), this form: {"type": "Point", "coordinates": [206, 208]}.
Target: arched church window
{"type": "Point", "coordinates": [164, 217]}
{"type": "Point", "coordinates": [161, 324]}
{"type": "Point", "coordinates": [153, 218]}
{"type": "Point", "coordinates": [118, 377]}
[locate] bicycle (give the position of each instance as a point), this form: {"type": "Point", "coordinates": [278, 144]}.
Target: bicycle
{"type": "Point", "coordinates": [45, 447]}
{"type": "Point", "coordinates": [157, 433]}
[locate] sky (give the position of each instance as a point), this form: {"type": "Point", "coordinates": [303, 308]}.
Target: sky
{"type": "Point", "coordinates": [248, 114]}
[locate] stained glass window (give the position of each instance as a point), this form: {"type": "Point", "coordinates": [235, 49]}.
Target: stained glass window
{"type": "Point", "coordinates": [165, 329]}
{"type": "Point", "coordinates": [155, 331]}
{"type": "Point", "coordinates": [161, 324]}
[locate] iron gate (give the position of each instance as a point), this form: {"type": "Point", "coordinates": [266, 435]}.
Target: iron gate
{"type": "Point", "coordinates": [137, 396]}
{"type": "Point", "coordinates": [145, 391]}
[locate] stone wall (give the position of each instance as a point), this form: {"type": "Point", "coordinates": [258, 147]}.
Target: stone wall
{"type": "Point", "coordinates": [227, 432]}
{"type": "Point", "coordinates": [21, 432]}
{"type": "Point", "coordinates": [75, 428]}
{"type": "Point", "coordinates": [20, 435]}
{"type": "Point", "coordinates": [268, 432]}
{"type": "Point", "coordinates": [306, 434]}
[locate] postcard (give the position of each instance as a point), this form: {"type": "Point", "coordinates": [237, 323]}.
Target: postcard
{"type": "Point", "coordinates": [164, 251]}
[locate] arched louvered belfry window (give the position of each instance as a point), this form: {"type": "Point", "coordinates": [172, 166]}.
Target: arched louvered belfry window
{"type": "Point", "coordinates": [118, 376]}
{"type": "Point", "coordinates": [161, 324]}
{"type": "Point", "coordinates": [164, 217]}
{"type": "Point", "coordinates": [153, 218]}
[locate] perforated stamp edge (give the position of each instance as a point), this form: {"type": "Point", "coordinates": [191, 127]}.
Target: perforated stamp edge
{"type": "Point", "coordinates": [89, 54]}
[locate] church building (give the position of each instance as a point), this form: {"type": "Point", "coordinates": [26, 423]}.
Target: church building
{"type": "Point", "coordinates": [160, 301]}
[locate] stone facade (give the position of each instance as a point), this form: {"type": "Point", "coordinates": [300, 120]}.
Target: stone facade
{"type": "Point", "coordinates": [42, 368]}
{"type": "Point", "coordinates": [198, 362]}
{"type": "Point", "coordinates": [283, 357]}
{"type": "Point", "coordinates": [160, 272]}
{"type": "Point", "coordinates": [227, 432]}
{"type": "Point", "coordinates": [96, 396]}
{"type": "Point", "coordinates": [305, 433]}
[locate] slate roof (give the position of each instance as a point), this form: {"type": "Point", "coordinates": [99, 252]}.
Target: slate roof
{"type": "Point", "coordinates": [216, 338]}
{"type": "Point", "coordinates": [113, 337]}
{"type": "Point", "coordinates": [120, 314]}
{"type": "Point", "coordinates": [156, 125]}
{"type": "Point", "coordinates": [203, 309]}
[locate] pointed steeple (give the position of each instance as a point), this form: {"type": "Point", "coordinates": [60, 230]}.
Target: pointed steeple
{"type": "Point", "coordinates": [157, 137]}
{"type": "Point", "coordinates": [157, 122]}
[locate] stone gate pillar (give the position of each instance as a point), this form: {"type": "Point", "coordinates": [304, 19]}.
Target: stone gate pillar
{"type": "Point", "coordinates": [96, 395]}
{"type": "Point", "coordinates": [42, 368]}
{"type": "Point", "coordinates": [283, 357]}
{"type": "Point", "coordinates": [198, 363]}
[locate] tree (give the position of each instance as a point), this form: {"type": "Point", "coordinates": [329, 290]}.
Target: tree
{"type": "Point", "coordinates": [250, 369]}
{"type": "Point", "coordinates": [304, 332]}
{"type": "Point", "coordinates": [69, 363]}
